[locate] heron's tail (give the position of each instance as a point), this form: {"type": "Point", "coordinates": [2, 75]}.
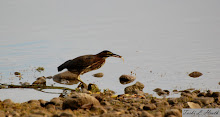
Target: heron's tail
{"type": "Point", "coordinates": [63, 66]}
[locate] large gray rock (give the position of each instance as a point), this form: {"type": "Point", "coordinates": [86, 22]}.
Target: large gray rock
{"type": "Point", "coordinates": [125, 79]}
{"type": "Point", "coordinates": [133, 89]}
{"type": "Point", "coordinates": [79, 100]}
{"type": "Point", "coordinates": [66, 77]}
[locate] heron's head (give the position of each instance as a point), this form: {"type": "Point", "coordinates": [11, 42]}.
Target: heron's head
{"type": "Point", "coordinates": [107, 53]}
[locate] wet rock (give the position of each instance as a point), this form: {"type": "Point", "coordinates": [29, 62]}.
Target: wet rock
{"type": "Point", "coordinates": [40, 81]}
{"type": "Point", "coordinates": [106, 103]}
{"type": "Point", "coordinates": [50, 107]}
{"type": "Point", "coordinates": [77, 100]}
{"type": "Point", "coordinates": [98, 75]}
{"type": "Point", "coordinates": [126, 115]}
{"type": "Point", "coordinates": [196, 91]}
{"type": "Point", "coordinates": [13, 114]}
{"type": "Point", "coordinates": [49, 77]}
{"type": "Point", "coordinates": [205, 100]}
{"type": "Point", "coordinates": [7, 102]}
{"type": "Point", "coordinates": [185, 91]}
{"type": "Point", "coordinates": [98, 109]}
{"type": "Point", "coordinates": [24, 83]}
{"type": "Point", "coordinates": [217, 100]}
{"type": "Point", "coordinates": [161, 92]}
{"type": "Point", "coordinates": [173, 112]}
{"type": "Point", "coordinates": [138, 92]}
{"type": "Point", "coordinates": [48, 104]}
{"type": "Point", "coordinates": [110, 115]}
{"type": "Point", "coordinates": [158, 114]}
{"type": "Point", "coordinates": [93, 88]}
{"type": "Point", "coordinates": [185, 99]}
{"type": "Point", "coordinates": [177, 106]}
{"type": "Point", "coordinates": [66, 77]}
{"type": "Point", "coordinates": [136, 105]}
{"type": "Point", "coordinates": [3, 86]}
{"type": "Point", "coordinates": [175, 91]}
{"type": "Point", "coordinates": [209, 93]}
{"type": "Point", "coordinates": [146, 114]}
{"type": "Point", "coordinates": [195, 74]}
{"type": "Point", "coordinates": [167, 92]}
{"type": "Point", "coordinates": [64, 114]}
{"type": "Point", "coordinates": [2, 113]}
{"type": "Point", "coordinates": [162, 103]}
{"type": "Point", "coordinates": [125, 79]}
{"type": "Point", "coordinates": [157, 90]}
{"type": "Point", "coordinates": [37, 112]}
{"type": "Point", "coordinates": [34, 103]}
{"type": "Point", "coordinates": [135, 113]}
{"type": "Point", "coordinates": [42, 102]}
{"type": "Point", "coordinates": [155, 100]}
{"type": "Point", "coordinates": [87, 106]}
{"type": "Point", "coordinates": [141, 106]}
{"type": "Point", "coordinates": [133, 88]}
{"type": "Point", "coordinates": [149, 107]}
{"type": "Point", "coordinates": [216, 94]}
{"type": "Point", "coordinates": [108, 108]}
{"type": "Point", "coordinates": [172, 101]}
{"type": "Point", "coordinates": [56, 101]}
{"type": "Point", "coordinates": [17, 73]}
{"type": "Point", "coordinates": [193, 105]}
{"type": "Point", "coordinates": [201, 94]}
{"type": "Point", "coordinates": [190, 95]}
{"type": "Point", "coordinates": [108, 92]}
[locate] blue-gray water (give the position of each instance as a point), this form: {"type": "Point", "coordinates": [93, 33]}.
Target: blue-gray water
{"type": "Point", "coordinates": [169, 38]}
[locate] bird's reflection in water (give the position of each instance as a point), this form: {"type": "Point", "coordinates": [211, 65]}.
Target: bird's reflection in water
{"type": "Point", "coordinates": [66, 77]}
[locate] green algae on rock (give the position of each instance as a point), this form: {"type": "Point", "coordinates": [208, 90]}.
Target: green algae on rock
{"type": "Point", "coordinates": [40, 69]}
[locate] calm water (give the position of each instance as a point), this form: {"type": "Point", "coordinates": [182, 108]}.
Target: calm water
{"type": "Point", "coordinates": [160, 41]}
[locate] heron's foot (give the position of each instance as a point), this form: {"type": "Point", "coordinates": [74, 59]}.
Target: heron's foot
{"type": "Point", "coordinates": [82, 84]}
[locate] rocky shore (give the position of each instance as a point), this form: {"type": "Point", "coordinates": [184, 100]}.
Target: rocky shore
{"type": "Point", "coordinates": [84, 103]}
{"type": "Point", "coordinates": [89, 101]}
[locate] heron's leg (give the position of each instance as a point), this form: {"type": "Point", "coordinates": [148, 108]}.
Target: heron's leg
{"type": "Point", "coordinates": [79, 79]}
{"type": "Point", "coordinates": [82, 84]}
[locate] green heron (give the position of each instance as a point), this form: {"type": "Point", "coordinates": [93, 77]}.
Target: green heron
{"type": "Point", "coordinates": [86, 63]}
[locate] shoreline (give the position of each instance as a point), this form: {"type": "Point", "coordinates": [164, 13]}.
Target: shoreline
{"type": "Point", "coordinates": [85, 103]}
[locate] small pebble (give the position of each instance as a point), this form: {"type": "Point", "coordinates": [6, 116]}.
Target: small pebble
{"type": "Point", "coordinates": [17, 73]}
{"type": "Point", "coordinates": [98, 75]}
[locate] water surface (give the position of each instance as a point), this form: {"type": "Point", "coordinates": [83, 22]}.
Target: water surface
{"type": "Point", "coordinates": [162, 42]}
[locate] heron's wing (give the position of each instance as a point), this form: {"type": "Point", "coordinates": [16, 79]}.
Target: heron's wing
{"type": "Point", "coordinates": [95, 65]}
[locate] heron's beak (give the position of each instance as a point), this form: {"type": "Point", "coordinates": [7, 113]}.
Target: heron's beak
{"type": "Point", "coordinates": [118, 56]}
